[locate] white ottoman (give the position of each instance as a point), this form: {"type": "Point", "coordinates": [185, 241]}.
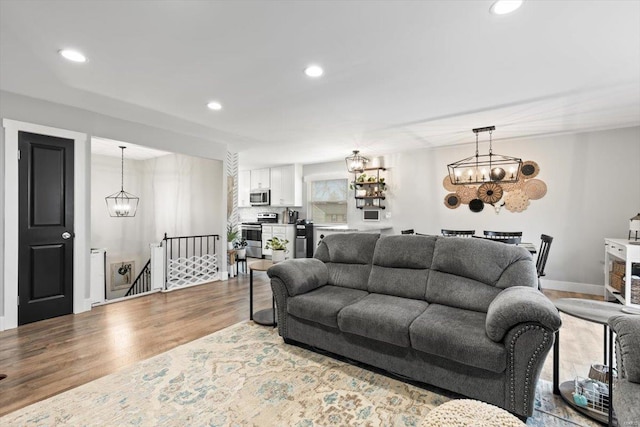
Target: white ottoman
{"type": "Point", "coordinates": [467, 412]}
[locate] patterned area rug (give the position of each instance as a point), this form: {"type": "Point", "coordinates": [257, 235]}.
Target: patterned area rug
{"type": "Point", "coordinates": [245, 375]}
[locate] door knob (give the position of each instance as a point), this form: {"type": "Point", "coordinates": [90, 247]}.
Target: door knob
{"type": "Point", "coordinates": [66, 235]}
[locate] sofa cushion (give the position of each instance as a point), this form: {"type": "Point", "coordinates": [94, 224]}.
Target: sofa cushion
{"type": "Point", "coordinates": [347, 248]}
{"type": "Point", "coordinates": [381, 317]}
{"type": "Point", "coordinates": [348, 257]}
{"type": "Point", "coordinates": [459, 335]}
{"type": "Point", "coordinates": [478, 259]}
{"type": "Point", "coordinates": [401, 266]}
{"type": "Point", "coordinates": [323, 304]}
{"type": "Point", "coordinates": [469, 273]}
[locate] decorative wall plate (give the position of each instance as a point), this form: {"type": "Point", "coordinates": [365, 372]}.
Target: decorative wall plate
{"type": "Point", "coordinates": [516, 201]}
{"type": "Point", "coordinates": [476, 205]}
{"type": "Point", "coordinates": [467, 193]}
{"type": "Point", "coordinates": [513, 186]}
{"type": "Point", "coordinates": [448, 185]}
{"type": "Point", "coordinates": [490, 192]}
{"type": "Point", "coordinates": [452, 200]}
{"type": "Point", "coordinates": [529, 169]}
{"type": "Point", "coordinates": [535, 189]}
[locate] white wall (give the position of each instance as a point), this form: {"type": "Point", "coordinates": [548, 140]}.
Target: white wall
{"type": "Point", "coordinates": [31, 110]}
{"type": "Point", "coordinates": [593, 182]}
{"type": "Point", "coordinates": [179, 195]}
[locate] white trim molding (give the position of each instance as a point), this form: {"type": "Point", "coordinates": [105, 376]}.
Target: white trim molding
{"type": "Point", "coordinates": [81, 211]}
{"type": "Point", "coordinates": [583, 288]}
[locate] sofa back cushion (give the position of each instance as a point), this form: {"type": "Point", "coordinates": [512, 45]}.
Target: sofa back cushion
{"type": "Point", "coordinates": [470, 273]}
{"type": "Point", "coordinates": [401, 266]}
{"type": "Point", "coordinates": [348, 257]}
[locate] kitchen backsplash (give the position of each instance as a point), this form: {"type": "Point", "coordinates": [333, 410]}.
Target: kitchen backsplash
{"type": "Point", "coordinates": [251, 214]}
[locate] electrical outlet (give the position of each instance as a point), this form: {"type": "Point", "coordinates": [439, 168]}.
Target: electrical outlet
{"type": "Point", "coordinates": [387, 215]}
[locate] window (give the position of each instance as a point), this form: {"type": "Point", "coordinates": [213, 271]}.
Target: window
{"type": "Point", "coordinates": [328, 201]}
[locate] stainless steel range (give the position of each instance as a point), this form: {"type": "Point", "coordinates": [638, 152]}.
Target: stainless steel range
{"type": "Point", "coordinates": [252, 233]}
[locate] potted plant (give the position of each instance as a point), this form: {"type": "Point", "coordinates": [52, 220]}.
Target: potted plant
{"type": "Point", "coordinates": [232, 234]}
{"type": "Point", "coordinates": [279, 248]}
{"type": "Point", "coordinates": [240, 245]}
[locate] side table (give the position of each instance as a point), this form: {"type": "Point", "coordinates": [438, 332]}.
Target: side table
{"type": "Point", "coordinates": [591, 311]}
{"type": "Point", "coordinates": [267, 316]}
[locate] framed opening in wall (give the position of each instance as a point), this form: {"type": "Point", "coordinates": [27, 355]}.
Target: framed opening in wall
{"type": "Point", "coordinates": [328, 201]}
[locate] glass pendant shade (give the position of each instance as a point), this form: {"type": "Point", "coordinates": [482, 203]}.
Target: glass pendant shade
{"type": "Point", "coordinates": [483, 168]}
{"type": "Point", "coordinates": [122, 203]}
{"type": "Point", "coordinates": [356, 162]}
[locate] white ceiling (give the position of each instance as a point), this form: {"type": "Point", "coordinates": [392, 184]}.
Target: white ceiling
{"type": "Point", "coordinates": [109, 147]}
{"type": "Point", "coordinates": [398, 75]}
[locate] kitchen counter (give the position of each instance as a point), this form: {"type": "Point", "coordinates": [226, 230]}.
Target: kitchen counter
{"type": "Point", "coordinates": [348, 229]}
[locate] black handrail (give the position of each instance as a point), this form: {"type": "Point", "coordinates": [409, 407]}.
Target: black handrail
{"type": "Point", "coordinates": [142, 282]}
{"type": "Point", "coordinates": [187, 246]}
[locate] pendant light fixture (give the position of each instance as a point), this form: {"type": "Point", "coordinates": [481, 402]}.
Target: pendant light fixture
{"type": "Point", "coordinates": [356, 162]}
{"type": "Point", "coordinates": [122, 204]}
{"type": "Point", "coordinates": [483, 168]}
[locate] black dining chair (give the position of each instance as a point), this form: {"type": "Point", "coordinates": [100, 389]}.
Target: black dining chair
{"type": "Point", "coordinates": [542, 256]}
{"type": "Point", "coordinates": [458, 233]}
{"type": "Point", "coordinates": [409, 231]}
{"type": "Point", "coordinates": [510, 237]}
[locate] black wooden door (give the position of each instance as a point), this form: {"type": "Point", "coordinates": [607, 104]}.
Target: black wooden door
{"type": "Point", "coordinates": [45, 253]}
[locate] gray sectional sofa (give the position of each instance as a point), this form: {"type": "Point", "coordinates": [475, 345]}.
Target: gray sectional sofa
{"type": "Point", "coordinates": [461, 314]}
{"type": "Point", "coordinates": [626, 394]}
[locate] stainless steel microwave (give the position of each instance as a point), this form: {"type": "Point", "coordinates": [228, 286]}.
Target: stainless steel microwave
{"type": "Point", "coordinates": [260, 197]}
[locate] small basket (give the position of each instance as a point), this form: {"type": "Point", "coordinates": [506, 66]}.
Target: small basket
{"type": "Point", "coordinates": [635, 290]}
{"type": "Point", "coordinates": [596, 393]}
{"type": "Point", "coordinates": [616, 281]}
{"type": "Point", "coordinates": [618, 268]}
{"type": "Point", "coordinates": [601, 373]}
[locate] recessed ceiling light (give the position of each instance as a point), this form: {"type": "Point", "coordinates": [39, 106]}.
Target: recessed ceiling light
{"type": "Point", "coordinates": [502, 7]}
{"type": "Point", "coordinates": [214, 105]}
{"type": "Point", "coordinates": [72, 55]}
{"type": "Point", "coordinates": [314, 71]}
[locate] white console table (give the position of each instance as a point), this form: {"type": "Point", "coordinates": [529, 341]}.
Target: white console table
{"type": "Point", "coordinates": [622, 250]}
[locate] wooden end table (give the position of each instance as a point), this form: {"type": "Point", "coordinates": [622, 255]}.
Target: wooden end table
{"type": "Point", "coordinates": [596, 312]}
{"type": "Point", "coordinates": [266, 317]}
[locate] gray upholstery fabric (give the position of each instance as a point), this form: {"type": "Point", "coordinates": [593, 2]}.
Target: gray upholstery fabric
{"type": "Point", "coordinates": [347, 248]}
{"type": "Point", "coordinates": [300, 275]}
{"type": "Point", "coordinates": [626, 403]}
{"type": "Point", "coordinates": [354, 276]}
{"type": "Point", "coordinates": [401, 266]}
{"type": "Point", "coordinates": [381, 317]}
{"type": "Point", "coordinates": [405, 251]}
{"type": "Point", "coordinates": [520, 273]}
{"type": "Point", "coordinates": [478, 259]}
{"type": "Point", "coordinates": [458, 335]}
{"type": "Point", "coordinates": [460, 292]}
{"type": "Point", "coordinates": [322, 305]}
{"type": "Point", "coordinates": [520, 304]}
{"type": "Point", "coordinates": [627, 329]}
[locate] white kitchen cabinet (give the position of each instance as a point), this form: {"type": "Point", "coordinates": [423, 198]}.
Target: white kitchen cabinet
{"type": "Point", "coordinates": [244, 189]}
{"type": "Point", "coordinates": [282, 232]}
{"type": "Point", "coordinates": [286, 185]}
{"type": "Point", "coordinates": [260, 178]}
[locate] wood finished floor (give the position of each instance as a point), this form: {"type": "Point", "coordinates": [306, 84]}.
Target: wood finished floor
{"type": "Point", "coordinates": [46, 358]}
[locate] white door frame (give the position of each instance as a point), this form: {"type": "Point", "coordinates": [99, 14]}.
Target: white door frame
{"type": "Point", "coordinates": [81, 211]}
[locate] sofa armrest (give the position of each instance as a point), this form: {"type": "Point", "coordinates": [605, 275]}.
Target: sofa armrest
{"type": "Point", "coordinates": [520, 304]}
{"type": "Point", "coordinates": [627, 329]}
{"type": "Point", "coordinates": [300, 275]}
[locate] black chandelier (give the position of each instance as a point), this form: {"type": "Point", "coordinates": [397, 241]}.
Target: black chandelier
{"type": "Point", "coordinates": [356, 162]}
{"type": "Point", "coordinates": [483, 168]}
{"type": "Point", "coordinates": [122, 204]}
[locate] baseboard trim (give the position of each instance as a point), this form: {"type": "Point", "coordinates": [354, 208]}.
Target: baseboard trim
{"type": "Point", "coordinates": [583, 288]}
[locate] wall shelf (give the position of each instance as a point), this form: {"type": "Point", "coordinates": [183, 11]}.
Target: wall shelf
{"type": "Point", "coordinates": [371, 192]}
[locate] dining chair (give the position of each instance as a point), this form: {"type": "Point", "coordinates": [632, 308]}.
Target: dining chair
{"type": "Point", "coordinates": [409, 231]}
{"type": "Point", "coordinates": [542, 256]}
{"type": "Point", "coordinates": [458, 233]}
{"type": "Point", "coordinates": [510, 237]}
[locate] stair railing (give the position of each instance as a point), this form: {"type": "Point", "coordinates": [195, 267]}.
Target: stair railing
{"type": "Point", "coordinates": [190, 260]}
{"type": "Point", "coordinates": [143, 281]}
